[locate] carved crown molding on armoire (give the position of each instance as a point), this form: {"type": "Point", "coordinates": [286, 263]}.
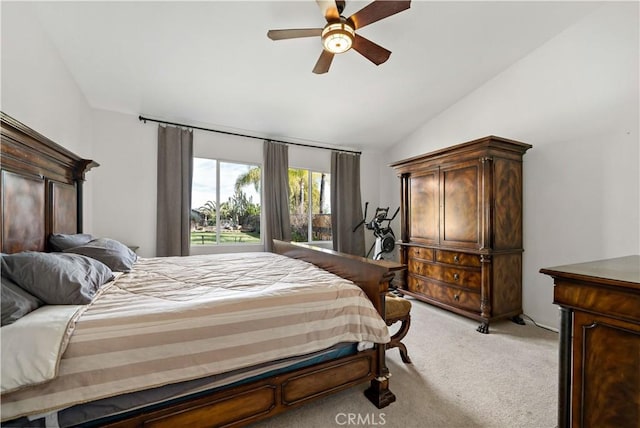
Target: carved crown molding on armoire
{"type": "Point", "coordinates": [461, 237]}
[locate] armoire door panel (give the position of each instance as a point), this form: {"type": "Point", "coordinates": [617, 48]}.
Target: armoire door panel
{"type": "Point", "coordinates": [460, 205]}
{"type": "Point", "coordinates": [423, 207]}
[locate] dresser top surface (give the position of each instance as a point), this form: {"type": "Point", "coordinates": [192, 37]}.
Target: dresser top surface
{"type": "Point", "coordinates": [617, 270]}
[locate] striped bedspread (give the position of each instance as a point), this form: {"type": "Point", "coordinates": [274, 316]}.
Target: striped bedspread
{"type": "Point", "coordinates": [180, 318]}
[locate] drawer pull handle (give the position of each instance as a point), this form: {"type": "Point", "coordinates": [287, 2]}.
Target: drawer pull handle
{"type": "Point", "coordinates": [456, 258]}
{"type": "Point", "coordinates": [456, 297]}
{"type": "Point", "coordinates": [456, 276]}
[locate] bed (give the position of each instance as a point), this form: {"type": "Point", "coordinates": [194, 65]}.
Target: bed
{"type": "Point", "coordinates": [41, 185]}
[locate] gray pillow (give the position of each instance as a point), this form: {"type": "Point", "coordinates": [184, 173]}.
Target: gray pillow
{"type": "Point", "coordinates": [57, 278]}
{"type": "Point", "coordinates": [61, 241]}
{"type": "Point", "coordinates": [112, 253]}
{"type": "Point", "coordinates": [15, 302]}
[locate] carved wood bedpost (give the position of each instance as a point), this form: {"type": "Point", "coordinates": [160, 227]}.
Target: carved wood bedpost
{"type": "Point", "coordinates": [379, 393]}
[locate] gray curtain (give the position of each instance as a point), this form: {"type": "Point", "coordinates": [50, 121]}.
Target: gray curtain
{"type": "Point", "coordinates": [175, 171]}
{"type": "Point", "coordinates": [276, 193]}
{"type": "Point", "coordinates": [346, 203]}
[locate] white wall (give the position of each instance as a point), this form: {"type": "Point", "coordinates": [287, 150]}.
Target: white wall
{"type": "Point", "coordinates": [124, 207]}
{"type": "Point", "coordinates": [39, 91]}
{"type": "Point", "coordinates": [370, 182]}
{"type": "Point", "coordinates": [575, 99]}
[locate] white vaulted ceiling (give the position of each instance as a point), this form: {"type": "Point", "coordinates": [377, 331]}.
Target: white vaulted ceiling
{"type": "Point", "coordinates": [212, 63]}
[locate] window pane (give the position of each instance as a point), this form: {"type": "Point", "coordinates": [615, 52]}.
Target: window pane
{"type": "Point", "coordinates": [239, 203]}
{"type": "Point", "coordinates": [238, 207]}
{"type": "Point", "coordinates": [203, 202]}
{"type": "Point", "coordinates": [321, 214]}
{"type": "Point", "coordinates": [299, 204]}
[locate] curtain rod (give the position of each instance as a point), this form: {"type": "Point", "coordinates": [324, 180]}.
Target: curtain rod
{"type": "Point", "coordinates": [145, 119]}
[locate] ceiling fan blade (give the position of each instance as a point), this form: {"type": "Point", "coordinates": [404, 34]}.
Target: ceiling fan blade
{"type": "Point", "coordinates": [329, 9]}
{"type": "Point", "coordinates": [373, 52]}
{"type": "Point", "coordinates": [377, 10]}
{"type": "Point", "coordinates": [324, 62]}
{"type": "Point", "coordinates": [294, 33]}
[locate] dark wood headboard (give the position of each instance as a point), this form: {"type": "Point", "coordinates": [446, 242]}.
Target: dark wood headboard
{"type": "Point", "coordinates": [40, 188]}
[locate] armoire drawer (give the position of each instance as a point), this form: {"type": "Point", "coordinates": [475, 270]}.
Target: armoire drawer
{"type": "Point", "coordinates": [451, 296]}
{"type": "Point", "coordinates": [420, 253]}
{"type": "Point", "coordinates": [458, 258]}
{"type": "Point", "coordinates": [468, 278]}
{"type": "Point", "coordinates": [462, 277]}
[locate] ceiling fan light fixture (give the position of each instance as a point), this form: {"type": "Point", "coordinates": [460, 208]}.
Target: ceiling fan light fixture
{"type": "Point", "coordinates": [339, 33]}
{"type": "Point", "coordinates": [337, 37]}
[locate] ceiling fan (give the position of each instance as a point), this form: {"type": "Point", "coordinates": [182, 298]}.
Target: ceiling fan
{"type": "Point", "coordinates": [339, 35]}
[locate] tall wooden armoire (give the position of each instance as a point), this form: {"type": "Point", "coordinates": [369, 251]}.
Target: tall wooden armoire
{"type": "Point", "coordinates": [461, 236]}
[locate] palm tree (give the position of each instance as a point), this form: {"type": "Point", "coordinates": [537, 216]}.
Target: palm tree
{"type": "Point", "coordinates": [253, 176]}
{"type": "Point", "coordinates": [298, 179]}
{"type": "Point", "coordinates": [208, 210]}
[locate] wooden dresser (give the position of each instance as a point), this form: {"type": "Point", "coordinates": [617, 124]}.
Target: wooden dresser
{"type": "Point", "coordinates": [599, 382]}
{"type": "Point", "coordinates": [461, 238]}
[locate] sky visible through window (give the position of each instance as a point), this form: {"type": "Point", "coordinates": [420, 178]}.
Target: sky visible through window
{"type": "Point", "coordinates": [204, 181]}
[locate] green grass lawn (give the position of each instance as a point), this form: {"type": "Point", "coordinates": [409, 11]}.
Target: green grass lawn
{"type": "Point", "coordinates": [226, 237]}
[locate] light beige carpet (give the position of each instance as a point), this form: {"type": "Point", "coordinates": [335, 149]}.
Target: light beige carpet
{"type": "Point", "coordinates": [459, 378]}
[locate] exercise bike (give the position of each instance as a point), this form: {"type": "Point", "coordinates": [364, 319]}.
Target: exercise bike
{"type": "Point", "coordinates": [385, 238]}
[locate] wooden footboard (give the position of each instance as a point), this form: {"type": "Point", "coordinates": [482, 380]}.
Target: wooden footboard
{"type": "Point", "coordinates": [262, 399]}
{"type": "Point", "coordinates": [374, 277]}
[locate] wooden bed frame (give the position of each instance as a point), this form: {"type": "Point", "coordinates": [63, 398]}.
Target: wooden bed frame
{"type": "Point", "coordinates": [41, 193]}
